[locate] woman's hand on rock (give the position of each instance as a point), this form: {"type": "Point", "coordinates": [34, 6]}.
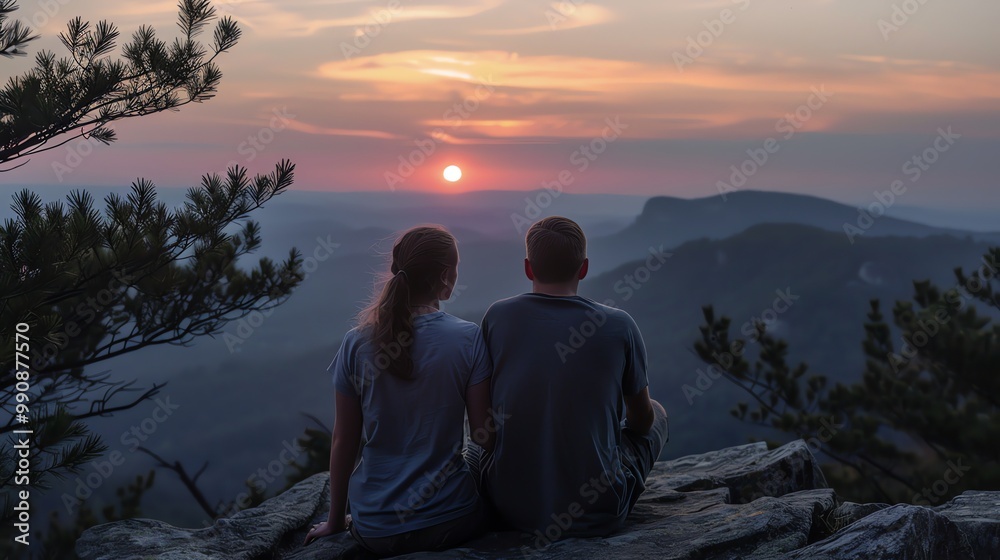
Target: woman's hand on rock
{"type": "Point", "coordinates": [325, 529]}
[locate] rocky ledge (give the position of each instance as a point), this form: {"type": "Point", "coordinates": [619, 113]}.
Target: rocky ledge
{"type": "Point", "coordinates": [743, 502]}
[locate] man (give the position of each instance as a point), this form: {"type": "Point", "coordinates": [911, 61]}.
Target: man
{"type": "Point", "coordinates": [567, 372]}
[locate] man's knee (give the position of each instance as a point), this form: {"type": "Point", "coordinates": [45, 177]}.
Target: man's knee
{"type": "Point", "coordinates": [661, 423]}
{"type": "Point", "coordinates": [658, 408]}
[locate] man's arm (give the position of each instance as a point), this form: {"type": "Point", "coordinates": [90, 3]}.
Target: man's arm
{"type": "Point", "coordinates": [639, 411]}
{"type": "Point", "coordinates": [638, 407]}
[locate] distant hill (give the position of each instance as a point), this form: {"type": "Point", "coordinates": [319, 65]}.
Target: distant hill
{"type": "Point", "coordinates": [671, 221]}
{"type": "Point", "coordinates": [973, 219]}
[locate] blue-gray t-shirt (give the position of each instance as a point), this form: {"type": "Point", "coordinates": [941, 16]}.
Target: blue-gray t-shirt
{"type": "Point", "coordinates": [562, 367]}
{"type": "Point", "coordinates": [412, 473]}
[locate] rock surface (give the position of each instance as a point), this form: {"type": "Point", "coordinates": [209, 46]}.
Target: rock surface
{"type": "Point", "coordinates": [977, 514]}
{"type": "Point", "coordinates": [849, 512]}
{"type": "Point", "coordinates": [749, 471]}
{"type": "Point", "coordinates": [895, 532]}
{"type": "Point", "coordinates": [744, 502]}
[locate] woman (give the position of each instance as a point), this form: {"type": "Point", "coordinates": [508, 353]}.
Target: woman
{"type": "Point", "coordinates": [404, 378]}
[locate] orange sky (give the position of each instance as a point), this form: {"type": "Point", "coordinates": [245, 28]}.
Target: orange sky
{"type": "Point", "coordinates": [358, 93]}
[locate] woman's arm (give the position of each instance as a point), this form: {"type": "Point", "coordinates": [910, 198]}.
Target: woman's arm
{"type": "Point", "coordinates": [343, 454]}
{"type": "Point", "coordinates": [478, 403]}
{"type": "Point", "coordinates": [343, 457]}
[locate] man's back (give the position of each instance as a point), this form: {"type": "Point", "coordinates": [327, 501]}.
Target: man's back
{"type": "Point", "coordinates": [562, 367]}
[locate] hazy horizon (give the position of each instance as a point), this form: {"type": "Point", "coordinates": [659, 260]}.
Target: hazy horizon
{"type": "Point", "coordinates": [973, 219]}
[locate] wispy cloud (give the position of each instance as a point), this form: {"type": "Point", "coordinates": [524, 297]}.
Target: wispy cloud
{"type": "Point", "coordinates": [561, 16]}
{"type": "Point", "coordinates": [307, 128]}
{"type": "Point", "coordinates": [296, 19]}
{"type": "Point", "coordinates": [730, 92]}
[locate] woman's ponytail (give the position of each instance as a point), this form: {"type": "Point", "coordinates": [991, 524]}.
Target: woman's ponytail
{"type": "Point", "coordinates": [420, 257]}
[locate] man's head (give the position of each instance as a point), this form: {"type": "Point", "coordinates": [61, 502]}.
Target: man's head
{"type": "Point", "coordinates": [556, 252]}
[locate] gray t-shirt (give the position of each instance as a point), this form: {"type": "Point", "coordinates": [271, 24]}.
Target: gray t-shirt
{"type": "Point", "coordinates": [561, 369]}
{"type": "Point", "coordinates": [412, 474]}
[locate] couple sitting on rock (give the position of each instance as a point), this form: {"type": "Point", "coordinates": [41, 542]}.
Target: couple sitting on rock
{"type": "Point", "coordinates": [561, 435]}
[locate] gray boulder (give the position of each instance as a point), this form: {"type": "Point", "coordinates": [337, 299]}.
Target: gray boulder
{"type": "Point", "coordinates": [749, 471]}
{"type": "Point", "coordinates": [977, 514]}
{"type": "Point", "coordinates": [895, 533]}
{"type": "Point", "coordinates": [849, 512]}
{"type": "Point", "coordinates": [248, 534]}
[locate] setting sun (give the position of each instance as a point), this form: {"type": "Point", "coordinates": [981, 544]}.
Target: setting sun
{"type": "Point", "coordinates": [452, 173]}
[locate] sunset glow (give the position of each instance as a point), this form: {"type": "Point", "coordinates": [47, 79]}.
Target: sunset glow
{"type": "Point", "coordinates": [351, 91]}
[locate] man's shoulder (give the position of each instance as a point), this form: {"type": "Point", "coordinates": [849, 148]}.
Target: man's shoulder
{"type": "Point", "coordinates": [614, 315]}
{"type": "Point", "coordinates": [506, 305]}
{"type": "Point", "coordinates": [520, 301]}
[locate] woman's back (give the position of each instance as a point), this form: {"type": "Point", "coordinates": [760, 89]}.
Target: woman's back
{"type": "Point", "coordinates": [412, 474]}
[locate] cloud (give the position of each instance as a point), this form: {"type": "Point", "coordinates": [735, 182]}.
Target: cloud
{"type": "Point", "coordinates": [294, 19]}
{"type": "Point", "coordinates": [307, 128]}
{"type": "Point", "coordinates": [729, 92]}
{"type": "Point", "coordinates": [561, 16]}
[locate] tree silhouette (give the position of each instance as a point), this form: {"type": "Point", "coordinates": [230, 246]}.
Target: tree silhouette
{"type": "Point", "coordinates": [14, 36]}
{"type": "Point", "coordinates": [65, 98]}
{"type": "Point", "coordinates": [922, 423]}
{"type": "Point", "coordinates": [81, 284]}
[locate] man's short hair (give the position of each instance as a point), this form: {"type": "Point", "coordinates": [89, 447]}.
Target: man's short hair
{"type": "Point", "coordinates": [556, 248]}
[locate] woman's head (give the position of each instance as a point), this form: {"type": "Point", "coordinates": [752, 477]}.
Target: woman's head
{"type": "Point", "coordinates": [425, 258]}
{"type": "Point", "coordinates": [424, 269]}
